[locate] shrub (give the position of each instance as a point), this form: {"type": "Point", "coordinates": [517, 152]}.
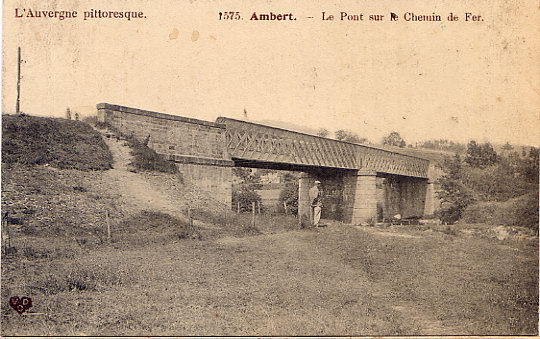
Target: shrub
{"type": "Point", "coordinates": [494, 183]}
{"type": "Point", "coordinates": [245, 195]}
{"type": "Point", "coordinates": [153, 227]}
{"type": "Point", "coordinates": [289, 196]}
{"type": "Point", "coordinates": [481, 212]}
{"type": "Point", "coordinates": [144, 158]}
{"type": "Point", "coordinates": [521, 211]}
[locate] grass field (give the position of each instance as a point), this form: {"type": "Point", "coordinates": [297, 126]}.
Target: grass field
{"type": "Point", "coordinates": [339, 280]}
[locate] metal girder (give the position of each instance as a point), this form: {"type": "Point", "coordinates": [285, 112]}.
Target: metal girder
{"type": "Point", "coordinates": [265, 144]}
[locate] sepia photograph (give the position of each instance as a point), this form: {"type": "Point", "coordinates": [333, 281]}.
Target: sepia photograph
{"type": "Point", "coordinates": [270, 168]}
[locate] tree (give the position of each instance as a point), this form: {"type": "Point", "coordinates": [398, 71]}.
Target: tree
{"type": "Point", "coordinates": [507, 147]}
{"type": "Point", "coordinates": [394, 139]}
{"type": "Point", "coordinates": [528, 166]}
{"type": "Point", "coordinates": [247, 175]}
{"type": "Point", "coordinates": [348, 136]}
{"type": "Point", "coordinates": [289, 197]}
{"type": "Point", "coordinates": [480, 156]}
{"type": "Point", "coordinates": [454, 195]}
{"type": "Point", "coordinates": [288, 177]}
{"type": "Point", "coordinates": [323, 132]}
{"type": "Point", "coordinates": [489, 155]}
{"type": "Point", "coordinates": [244, 195]}
{"type": "Point", "coordinates": [443, 144]}
{"type": "Point", "coordinates": [243, 173]}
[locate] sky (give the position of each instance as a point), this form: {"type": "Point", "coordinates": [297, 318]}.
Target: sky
{"type": "Point", "coordinates": [429, 80]}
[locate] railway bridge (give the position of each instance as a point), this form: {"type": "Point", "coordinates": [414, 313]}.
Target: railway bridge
{"type": "Point", "coordinates": [361, 183]}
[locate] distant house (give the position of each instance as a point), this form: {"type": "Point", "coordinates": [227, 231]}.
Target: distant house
{"type": "Point", "coordinates": [271, 178]}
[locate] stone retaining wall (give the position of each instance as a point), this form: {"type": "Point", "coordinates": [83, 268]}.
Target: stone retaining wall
{"type": "Point", "coordinates": [197, 146]}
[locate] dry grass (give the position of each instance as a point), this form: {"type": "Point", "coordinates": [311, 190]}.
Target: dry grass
{"type": "Point", "coordinates": [60, 143]}
{"type": "Point", "coordinates": [144, 158]}
{"type": "Point", "coordinates": [336, 281]}
{"type": "Point", "coordinates": [241, 224]}
{"type": "Point", "coordinates": [53, 203]}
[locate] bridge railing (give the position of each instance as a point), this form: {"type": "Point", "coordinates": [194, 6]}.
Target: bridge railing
{"type": "Point", "coordinates": [260, 143]}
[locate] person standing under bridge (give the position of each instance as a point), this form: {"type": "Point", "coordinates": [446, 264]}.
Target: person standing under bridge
{"type": "Point", "coordinates": [315, 199]}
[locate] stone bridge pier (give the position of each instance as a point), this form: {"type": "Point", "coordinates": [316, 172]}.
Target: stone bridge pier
{"type": "Point", "coordinates": [363, 196]}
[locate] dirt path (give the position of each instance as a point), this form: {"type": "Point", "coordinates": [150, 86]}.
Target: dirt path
{"type": "Point", "coordinates": [136, 192]}
{"type": "Point", "coordinates": [143, 191]}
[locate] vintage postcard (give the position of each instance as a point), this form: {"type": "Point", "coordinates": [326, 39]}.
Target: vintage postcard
{"type": "Point", "coordinates": [270, 168]}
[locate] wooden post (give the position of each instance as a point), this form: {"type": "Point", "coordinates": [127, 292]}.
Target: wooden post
{"type": "Point", "coordinates": [253, 213]}
{"type": "Point", "coordinates": [190, 219]}
{"type": "Point", "coordinates": [108, 226]}
{"type": "Point", "coordinates": [17, 104]}
{"type": "Point", "coordinates": [5, 229]}
{"type": "Point", "coordinates": [285, 207]}
{"type": "Point", "coordinates": [238, 207]}
{"type": "Point", "coordinates": [259, 206]}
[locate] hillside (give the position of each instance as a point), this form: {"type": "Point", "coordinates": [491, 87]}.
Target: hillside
{"type": "Point", "coordinates": [60, 180]}
{"type": "Point", "coordinates": [435, 156]}
{"type": "Point", "coordinates": [60, 143]}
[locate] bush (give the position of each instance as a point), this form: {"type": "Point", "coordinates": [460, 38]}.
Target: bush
{"type": "Point", "coordinates": [521, 211]}
{"type": "Point", "coordinates": [149, 227]}
{"type": "Point", "coordinates": [494, 183]}
{"type": "Point", "coordinates": [245, 195]}
{"type": "Point", "coordinates": [144, 158]}
{"type": "Point", "coordinates": [289, 196]}
{"type": "Point", "coordinates": [454, 195]}
{"type": "Point", "coordinates": [60, 143]}
{"type": "Point", "coordinates": [482, 212]}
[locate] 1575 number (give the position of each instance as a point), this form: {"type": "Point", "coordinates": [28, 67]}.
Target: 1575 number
{"type": "Point", "coordinates": [229, 16]}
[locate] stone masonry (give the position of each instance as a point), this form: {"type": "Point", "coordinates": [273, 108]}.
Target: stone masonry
{"type": "Point", "coordinates": [196, 146]}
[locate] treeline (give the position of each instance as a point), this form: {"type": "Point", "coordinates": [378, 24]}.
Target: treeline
{"type": "Point", "coordinates": [442, 145]}
{"type": "Point", "coordinates": [249, 180]}
{"type": "Point", "coordinates": [484, 186]}
{"type": "Point", "coordinates": [395, 139]}
{"type": "Point", "coordinates": [392, 139]}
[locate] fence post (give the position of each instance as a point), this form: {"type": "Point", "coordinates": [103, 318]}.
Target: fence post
{"type": "Point", "coordinates": [259, 206]}
{"type": "Point", "coordinates": [5, 230]}
{"type": "Point", "coordinates": [285, 208]}
{"type": "Point", "coordinates": [238, 207]}
{"type": "Point", "coordinates": [253, 213]}
{"type": "Point", "coordinates": [190, 219]}
{"type": "Point", "coordinates": [108, 226]}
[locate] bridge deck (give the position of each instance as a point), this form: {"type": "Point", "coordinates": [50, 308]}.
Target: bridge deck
{"type": "Point", "coordinates": [259, 143]}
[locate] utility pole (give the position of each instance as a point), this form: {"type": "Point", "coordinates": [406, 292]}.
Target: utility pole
{"type": "Point", "coordinates": [18, 106]}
